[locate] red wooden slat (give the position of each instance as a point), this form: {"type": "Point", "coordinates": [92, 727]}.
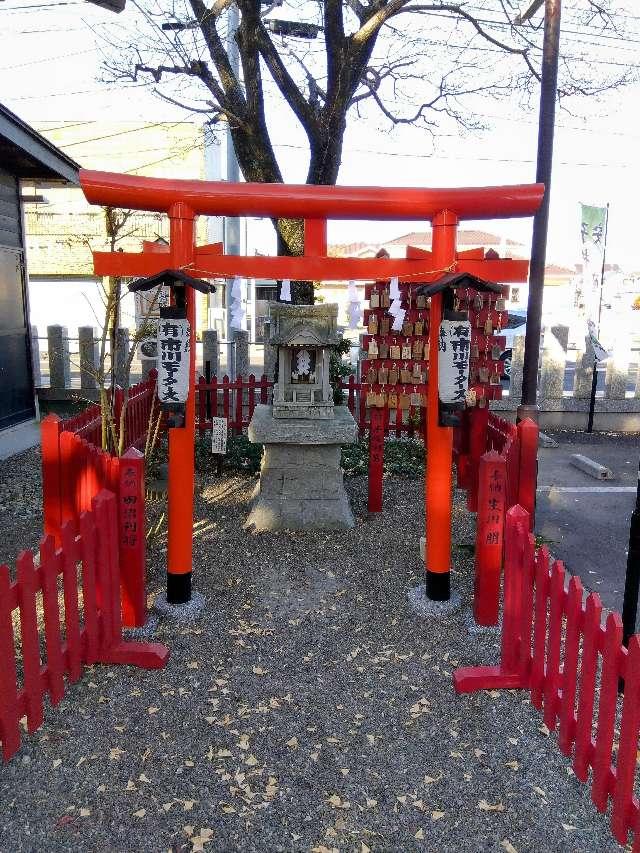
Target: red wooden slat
{"type": "Point", "coordinates": [69, 449]}
{"type": "Point", "coordinates": [202, 403]}
{"type": "Point", "coordinates": [588, 669]}
{"type": "Point", "coordinates": [263, 389]}
{"type": "Point", "coordinates": [9, 715]}
{"type": "Point", "coordinates": [49, 566]}
{"type": "Point", "coordinates": [214, 397]}
{"type": "Point", "coordinates": [252, 396]}
{"type": "Point", "coordinates": [526, 612]}
{"type": "Point", "coordinates": [71, 613]}
{"type": "Point", "coordinates": [225, 398]}
{"type": "Point", "coordinates": [552, 674]}
{"type": "Point", "coordinates": [517, 522]}
{"type": "Point", "coordinates": [627, 751]}
{"type": "Point", "coordinates": [570, 666]}
{"type": "Point", "coordinates": [50, 429]}
{"type": "Point", "coordinates": [238, 401]}
{"type": "Point", "coordinates": [90, 607]}
{"type": "Point", "coordinates": [542, 581]}
{"type": "Point", "coordinates": [606, 711]}
{"type": "Point", "coordinates": [103, 568]}
{"type": "Point", "coordinates": [27, 580]}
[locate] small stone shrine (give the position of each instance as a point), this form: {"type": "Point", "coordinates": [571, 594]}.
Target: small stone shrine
{"type": "Point", "coordinates": [301, 483]}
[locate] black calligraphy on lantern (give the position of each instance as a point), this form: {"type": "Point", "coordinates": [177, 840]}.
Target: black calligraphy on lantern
{"type": "Point", "coordinates": [454, 345]}
{"type": "Point", "coordinates": [173, 361]}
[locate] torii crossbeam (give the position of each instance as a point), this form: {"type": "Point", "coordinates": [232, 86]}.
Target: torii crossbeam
{"type": "Point", "coordinates": [183, 200]}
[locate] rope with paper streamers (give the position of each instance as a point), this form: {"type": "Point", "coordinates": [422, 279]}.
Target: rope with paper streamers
{"type": "Point", "coordinates": [192, 268]}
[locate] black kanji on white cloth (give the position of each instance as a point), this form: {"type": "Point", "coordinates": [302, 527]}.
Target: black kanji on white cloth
{"type": "Point", "coordinates": [173, 360]}
{"type": "Point", "coordinates": [454, 344]}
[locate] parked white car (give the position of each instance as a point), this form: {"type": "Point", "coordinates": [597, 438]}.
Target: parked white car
{"type": "Point", "coordinates": [516, 326]}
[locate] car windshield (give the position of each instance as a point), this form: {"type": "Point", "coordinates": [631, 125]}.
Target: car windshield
{"type": "Point", "coordinates": [515, 320]}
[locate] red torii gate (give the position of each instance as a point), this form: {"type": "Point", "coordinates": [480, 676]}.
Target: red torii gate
{"type": "Point", "coordinates": [183, 200]}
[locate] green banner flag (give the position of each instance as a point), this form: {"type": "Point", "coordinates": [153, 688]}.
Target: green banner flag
{"type": "Point", "coordinates": [593, 221]}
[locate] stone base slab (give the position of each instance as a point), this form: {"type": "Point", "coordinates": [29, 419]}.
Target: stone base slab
{"type": "Point", "coordinates": [301, 483]}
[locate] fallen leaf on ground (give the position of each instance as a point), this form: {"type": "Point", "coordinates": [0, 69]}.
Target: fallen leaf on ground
{"type": "Point", "coordinates": [484, 806]}
{"type": "Point", "coordinates": [140, 813]}
{"type": "Point", "coordinates": [419, 835]}
{"type": "Point", "coordinates": [152, 710]}
{"type": "Point", "coordinates": [85, 812]}
{"type": "Point", "coordinates": [437, 815]}
{"type": "Point", "coordinates": [293, 743]}
{"type": "Point", "coordinates": [508, 846]}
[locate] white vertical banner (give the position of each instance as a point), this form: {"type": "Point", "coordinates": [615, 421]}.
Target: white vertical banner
{"type": "Point", "coordinates": [593, 235]}
{"type": "Point", "coordinates": [173, 360]}
{"type": "Point", "coordinates": [454, 343]}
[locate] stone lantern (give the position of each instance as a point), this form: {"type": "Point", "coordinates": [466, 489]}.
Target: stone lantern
{"type": "Point", "coordinates": [301, 483]}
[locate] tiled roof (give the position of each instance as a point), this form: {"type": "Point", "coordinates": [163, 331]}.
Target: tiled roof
{"type": "Point", "coordinates": [466, 237]}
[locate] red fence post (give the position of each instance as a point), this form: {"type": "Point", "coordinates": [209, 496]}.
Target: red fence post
{"type": "Point", "coordinates": [131, 523]}
{"type": "Point", "coordinates": [489, 538]}
{"type": "Point", "coordinates": [9, 715]}
{"type": "Point", "coordinates": [50, 429]}
{"type": "Point", "coordinates": [528, 480]}
{"type": "Point", "coordinates": [478, 422]}
{"type": "Point", "coordinates": [376, 459]}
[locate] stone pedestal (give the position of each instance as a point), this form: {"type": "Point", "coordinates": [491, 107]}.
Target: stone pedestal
{"type": "Point", "coordinates": [301, 484]}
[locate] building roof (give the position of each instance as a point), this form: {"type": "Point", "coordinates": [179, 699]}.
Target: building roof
{"type": "Point", "coordinates": [28, 155]}
{"type": "Point", "coordinates": [466, 237]}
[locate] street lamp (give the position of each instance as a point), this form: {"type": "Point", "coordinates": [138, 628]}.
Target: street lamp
{"type": "Point", "coordinates": [528, 407]}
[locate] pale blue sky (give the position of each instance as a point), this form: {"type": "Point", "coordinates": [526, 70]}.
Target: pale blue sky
{"type": "Point", "coordinates": [49, 71]}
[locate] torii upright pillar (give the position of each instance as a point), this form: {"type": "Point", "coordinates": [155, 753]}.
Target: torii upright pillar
{"type": "Point", "coordinates": [181, 440]}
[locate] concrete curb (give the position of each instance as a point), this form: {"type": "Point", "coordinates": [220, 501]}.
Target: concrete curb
{"type": "Point", "coordinates": [423, 606]}
{"type": "Point", "coordinates": [593, 469]}
{"type": "Point", "coordinates": [188, 612]}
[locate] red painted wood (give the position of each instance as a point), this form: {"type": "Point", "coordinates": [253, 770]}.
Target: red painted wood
{"type": "Point", "coordinates": [318, 202]}
{"type": "Point", "coordinates": [479, 420]}
{"type": "Point", "coordinates": [225, 398]}
{"type": "Point", "coordinates": [489, 538]}
{"type": "Point", "coordinates": [264, 385]}
{"type": "Point", "coordinates": [71, 471]}
{"type": "Point", "coordinates": [131, 534]}
{"type": "Point", "coordinates": [628, 746]}
{"type": "Point", "coordinates": [110, 544]}
{"type": "Point", "coordinates": [315, 237]}
{"type": "Point", "coordinates": [202, 391]}
{"type": "Point", "coordinates": [50, 564]}
{"type": "Point", "coordinates": [51, 475]}
{"type": "Point", "coordinates": [570, 665]}
{"type": "Point", "coordinates": [376, 459]}
{"type": "Point", "coordinates": [103, 567]}
{"type": "Point", "coordinates": [27, 581]}
{"type": "Point", "coordinates": [526, 610]}
{"type": "Point", "coordinates": [552, 674]}
{"type": "Point", "coordinates": [9, 714]}
{"type": "Point", "coordinates": [588, 671]}
{"type": "Point", "coordinates": [542, 581]}
{"type": "Point", "coordinates": [528, 466]}
{"type": "Point", "coordinates": [214, 397]}
{"type": "Point", "coordinates": [89, 603]}
{"type": "Point", "coordinates": [252, 396]}
{"type": "Point", "coordinates": [606, 711]}
{"type": "Point", "coordinates": [238, 401]}
{"type": "Point", "coordinates": [71, 613]}
{"type": "Point", "coordinates": [517, 522]}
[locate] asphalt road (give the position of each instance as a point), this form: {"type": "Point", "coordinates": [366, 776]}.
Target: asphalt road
{"type": "Point", "coordinates": [586, 521]}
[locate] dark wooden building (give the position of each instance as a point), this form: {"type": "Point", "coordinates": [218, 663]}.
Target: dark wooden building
{"type": "Point", "coordinates": [25, 156]}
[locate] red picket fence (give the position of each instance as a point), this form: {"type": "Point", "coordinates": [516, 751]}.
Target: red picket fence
{"type": "Point", "coordinates": [88, 423]}
{"type": "Point", "coordinates": [74, 471]}
{"type": "Point", "coordinates": [234, 400]}
{"type": "Point", "coordinates": [554, 644]}
{"type": "Point", "coordinates": [90, 631]}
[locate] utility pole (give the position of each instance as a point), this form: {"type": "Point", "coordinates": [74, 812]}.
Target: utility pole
{"type": "Point", "coordinates": [231, 223]}
{"type": "Point", "coordinates": [528, 407]}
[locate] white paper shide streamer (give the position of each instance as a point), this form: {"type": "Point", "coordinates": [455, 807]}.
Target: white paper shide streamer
{"type": "Point", "coordinates": [354, 309]}
{"type": "Point", "coordinates": [285, 290]}
{"type": "Point", "coordinates": [395, 309]}
{"type": "Point", "coordinates": [237, 306]}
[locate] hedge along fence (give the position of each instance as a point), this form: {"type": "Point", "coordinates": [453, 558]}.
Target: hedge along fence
{"type": "Point", "coordinates": [553, 644]}
{"type": "Point", "coordinates": [89, 633]}
{"type": "Point", "coordinates": [75, 470]}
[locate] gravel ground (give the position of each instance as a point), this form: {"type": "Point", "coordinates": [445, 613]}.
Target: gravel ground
{"type": "Point", "coordinates": [308, 710]}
